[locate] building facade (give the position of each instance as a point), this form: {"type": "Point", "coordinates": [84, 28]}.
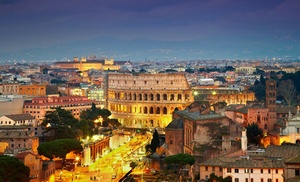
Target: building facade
{"type": "Point", "coordinates": [146, 100]}
{"type": "Point", "coordinates": [37, 107]}
{"type": "Point", "coordinates": [32, 90]}
{"type": "Point", "coordinates": [86, 64]}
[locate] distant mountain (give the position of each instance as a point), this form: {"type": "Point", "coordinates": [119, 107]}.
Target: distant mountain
{"type": "Point", "coordinates": [146, 49]}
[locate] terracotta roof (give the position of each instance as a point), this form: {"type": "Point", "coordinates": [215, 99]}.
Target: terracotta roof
{"type": "Point", "coordinates": [286, 151]}
{"type": "Point", "coordinates": [23, 155]}
{"type": "Point", "coordinates": [196, 116]}
{"type": "Point", "coordinates": [243, 110]}
{"type": "Point", "coordinates": [294, 160]}
{"type": "Point", "coordinates": [250, 163]}
{"type": "Point", "coordinates": [221, 161]}
{"type": "Point", "coordinates": [20, 117]}
{"type": "Point", "coordinates": [294, 179]}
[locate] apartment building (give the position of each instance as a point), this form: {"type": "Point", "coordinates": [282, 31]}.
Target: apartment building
{"type": "Point", "coordinates": [38, 106]}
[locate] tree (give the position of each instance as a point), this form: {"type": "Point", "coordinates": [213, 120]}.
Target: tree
{"type": "Point", "coordinates": [154, 142]}
{"type": "Point", "coordinates": [13, 170]}
{"type": "Point", "coordinates": [215, 178]}
{"type": "Point", "coordinates": [59, 148]}
{"type": "Point", "coordinates": [60, 123]}
{"type": "Point", "coordinates": [254, 133]}
{"type": "Point", "coordinates": [179, 161]}
{"type": "Point", "coordinates": [287, 90]}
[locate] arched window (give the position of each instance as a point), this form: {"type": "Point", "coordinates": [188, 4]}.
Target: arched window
{"type": "Point", "coordinates": [130, 96]}
{"type": "Point", "coordinates": [186, 97]}
{"type": "Point", "coordinates": [145, 96]}
{"type": "Point", "coordinates": [151, 110]}
{"type": "Point", "coordinates": [140, 97]}
{"type": "Point", "coordinates": [157, 110]}
{"type": "Point", "coordinates": [179, 98]}
{"type": "Point", "coordinates": [172, 97]}
{"type": "Point", "coordinates": [165, 110]}
{"type": "Point", "coordinates": [145, 110]}
{"type": "Point", "coordinates": [151, 97]}
{"type": "Point", "coordinates": [125, 96]}
{"type": "Point", "coordinates": [134, 96]}
{"type": "Point", "coordinates": [165, 97]}
{"type": "Point", "coordinates": [266, 127]}
{"type": "Point", "coordinates": [157, 96]}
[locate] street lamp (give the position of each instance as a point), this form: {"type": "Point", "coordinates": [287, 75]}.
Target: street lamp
{"type": "Point", "coordinates": [60, 174]}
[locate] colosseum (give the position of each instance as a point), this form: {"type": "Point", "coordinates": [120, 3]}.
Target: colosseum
{"type": "Point", "coordinates": [146, 100]}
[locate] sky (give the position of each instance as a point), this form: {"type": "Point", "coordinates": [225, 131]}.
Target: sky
{"type": "Point", "coordinates": [29, 24]}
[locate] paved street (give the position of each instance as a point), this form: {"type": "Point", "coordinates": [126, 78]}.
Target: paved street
{"type": "Point", "coordinates": [109, 168]}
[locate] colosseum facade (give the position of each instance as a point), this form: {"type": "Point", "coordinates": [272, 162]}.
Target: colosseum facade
{"type": "Point", "coordinates": [147, 100]}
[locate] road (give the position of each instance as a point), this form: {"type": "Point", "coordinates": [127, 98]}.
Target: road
{"type": "Point", "coordinates": [113, 165]}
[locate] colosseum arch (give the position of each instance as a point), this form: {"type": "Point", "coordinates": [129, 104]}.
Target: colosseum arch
{"type": "Point", "coordinates": [151, 97]}
{"type": "Point", "coordinates": [157, 110]}
{"type": "Point", "coordinates": [165, 97]}
{"type": "Point", "coordinates": [145, 110]}
{"type": "Point", "coordinates": [130, 96]}
{"type": "Point", "coordinates": [157, 96]}
{"type": "Point", "coordinates": [145, 96]}
{"type": "Point", "coordinates": [165, 110]}
{"type": "Point", "coordinates": [151, 111]}
{"type": "Point", "coordinates": [172, 97]}
{"type": "Point", "coordinates": [179, 97]}
{"type": "Point", "coordinates": [187, 97]}
{"type": "Point", "coordinates": [134, 96]}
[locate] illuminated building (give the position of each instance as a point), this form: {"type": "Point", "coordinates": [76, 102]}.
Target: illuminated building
{"type": "Point", "coordinates": [228, 95]}
{"type": "Point", "coordinates": [38, 106]}
{"type": "Point", "coordinates": [96, 94]}
{"type": "Point", "coordinates": [85, 64]}
{"type": "Point", "coordinates": [32, 90]}
{"type": "Point", "coordinates": [146, 100]}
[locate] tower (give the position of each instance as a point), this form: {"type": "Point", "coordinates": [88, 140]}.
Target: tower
{"type": "Point", "coordinates": [270, 104]}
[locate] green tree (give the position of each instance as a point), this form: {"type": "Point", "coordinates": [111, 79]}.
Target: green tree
{"type": "Point", "coordinates": [85, 128]}
{"type": "Point", "coordinates": [13, 170]}
{"type": "Point", "coordinates": [179, 161]}
{"type": "Point", "coordinates": [254, 133]}
{"type": "Point", "coordinates": [154, 142]}
{"type": "Point", "coordinates": [215, 178]}
{"type": "Point", "coordinates": [59, 148]}
{"type": "Point", "coordinates": [60, 123]}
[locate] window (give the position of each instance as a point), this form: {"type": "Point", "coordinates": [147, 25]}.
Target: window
{"type": "Point", "coordinates": [206, 168]}
{"type": "Point", "coordinates": [297, 172]}
{"type": "Point", "coordinates": [276, 171]}
{"type": "Point", "coordinates": [236, 179]}
{"type": "Point", "coordinates": [246, 180]}
{"type": "Point", "coordinates": [246, 170]}
{"type": "Point", "coordinates": [269, 171]}
{"type": "Point", "coordinates": [251, 180]}
{"type": "Point", "coordinates": [213, 168]}
{"type": "Point", "coordinates": [251, 170]}
{"type": "Point", "coordinates": [261, 171]}
{"type": "Point", "coordinates": [236, 170]}
{"type": "Point", "coordinates": [269, 180]}
{"type": "Point", "coordinates": [261, 179]}
{"type": "Point", "coordinates": [229, 170]}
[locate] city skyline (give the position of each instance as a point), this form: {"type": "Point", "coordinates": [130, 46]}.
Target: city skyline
{"type": "Point", "coordinates": [139, 30]}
